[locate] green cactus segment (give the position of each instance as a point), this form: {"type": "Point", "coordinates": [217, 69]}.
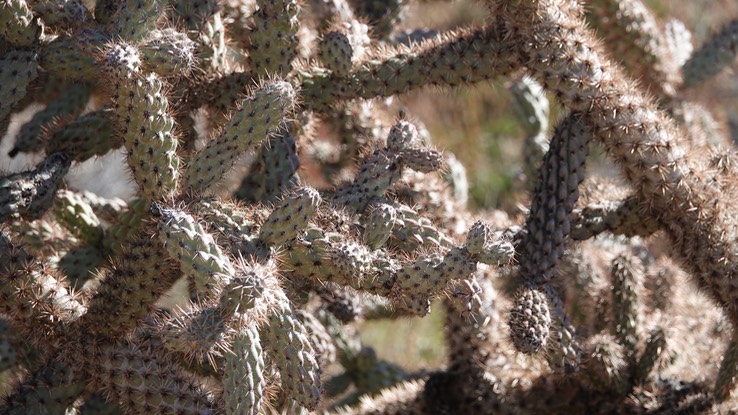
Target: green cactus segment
{"type": "Point", "coordinates": [198, 336]}
{"type": "Point", "coordinates": [17, 70]}
{"type": "Point", "coordinates": [556, 193]}
{"type": "Point", "coordinates": [127, 224]}
{"type": "Point", "coordinates": [137, 278]}
{"type": "Point", "coordinates": [335, 52]}
{"type": "Point", "coordinates": [245, 289]}
{"type": "Point", "coordinates": [30, 194]}
{"type": "Point", "coordinates": [625, 305]}
{"type": "Point", "coordinates": [81, 139]}
{"type": "Point", "coordinates": [70, 102]}
{"type": "Point", "coordinates": [66, 58]}
{"type": "Point", "coordinates": [220, 95]}
{"type": "Point", "coordinates": [377, 174]}
{"type": "Point", "coordinates": [243, 376]}
{"type": "Point", "coordinates": [717, 53]}
{"type": "Point", "coordinates": [259, 114]}
{"type": "Point", "coordinates": [50, 389]}
{"type": "Point", "coordinates": [459, 58]}
{"type": "Point", "coordinates": [146, 127]}
{"type": "Point", "coordinates": [564, 352]}
{"type": "Point", "coordinates": [634, 35]}
{"type": "Point", "coordinates": [428, 275]}
{"type": "Point", "coordinates": [80, 264]}
{"type": "Point", "coordinates": [532, 110]}
{"type": "Point", "coordinates": [530, 320]}
{"type": "Point", "coordinates": [320, 338]}
{"type": "Point", "coordinates": [234, 226]}
{"type": "Point", "coordinates": [381, 219]}
{"type": "Point", "coordinates": [74, 213]}
{"type": "Point", "coordinates": [140, 381]}
{"type": "Point", "coordinates": [621, 217]}
{"type": "Point", "coordinates": [137, 18]}
{"type": "Point", "coordinates": [411, 231]}
{"type": "Point", "coordinates": [17, 24]}
{"type": "Point", "coordinates": [195, 250]}
{"type": "Point", "coordinates": [655, 346]}
{"type": "Point", "coordinates": [477, 237]}
{"type": "Point", "coordinates": [274, 172]}
{"type": "Point", "coordinates": [61, 13]}
{"type": "Point", "coordinates": [290, 217]}
{"type": "Point", "coordinates": [287, 341]}
{"type": "Point", "coordinates": [168, 53]}
{"type": "Point", "coordinates": [36, 299]}
{"type": "Point", "coordinates": [273, 37]}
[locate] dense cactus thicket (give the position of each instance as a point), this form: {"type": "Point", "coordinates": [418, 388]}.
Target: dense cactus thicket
{"type": "Point", "coordinates": [281, 200]}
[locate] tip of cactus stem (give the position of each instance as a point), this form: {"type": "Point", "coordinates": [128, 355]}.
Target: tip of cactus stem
{"type": "Point", "coordinates": [530, 321]}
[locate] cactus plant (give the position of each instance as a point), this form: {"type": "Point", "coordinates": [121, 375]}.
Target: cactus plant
{"type": "Point", "coordinates": [277, 207]}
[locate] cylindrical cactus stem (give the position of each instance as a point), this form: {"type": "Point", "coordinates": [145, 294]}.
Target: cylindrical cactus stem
{"type": "Point", "coordinates": [564, 352]}
{"type": "Point", "coordinates": [642, 140]}
{"type": "Point", "coordinates": [168, 53]}
{"type": "Point", "coordinates": [557, 191]}
{"type": "Point", "coordinates": [532, 110]}
{"type": "Point", "coordinates": [50, 388]}
{"type": "Point", "coordinates": [70, 102]}
{"type": "Point", "coordinates": [639, 41]}
{"type": "Point", "coordinates": [30, 194]}
{"type": "Point", "coordinates": [36, 299]}
{"type": "Point", "coordinates": [275, 170]}
{"type": "Point", "coordinates": [287, 341]}
{"type": "Point", "coordinates": [335, 52]}
{"type": "Point", "coordinates": [624, 276]}
{"type": "Point", "coordinates": [381, 218]}
{"type": "Point", "coordinates": [235, 226]}
{"type": "Point", "coordinates": [243, 376]}
{"type": "Point", "coordinates": [61, 14]}
{"type": "Point", "coordinates": [412, 230]}
{"type": "Point", "coordinates": [728, 372]}
{"type": "Point", "coordinates": [478, 237]}
{"type": "Point", "coordinates": [127, 223]}
{"type": "Point", "coordinates": [290, 217]}
{"type": "Point", "coordinates": [274, 37]}
{"type": "Point", "coordinates": [257, 116]}
{"type": "Point", "coordinates": [8, 350]}
{"type": "Point", "coordinates": [80, 264]}
{"type": "Point", "coordinates": [18, 26]}
{"type": "Point", "coordinates": [144, 123]}
{"type": "Point", "coordinates": [74, 213]}
{"type": "Point", "coordinates": [71, 58]}
{"type": "Point", "coordinates": [717, 53]}
{"type": "Point", "coordinates": [17, 70]}
{"type": "Point", "coordinates": [530, 320]}
{"type": "Point", "coordinates": [137, 18]}
{"type": "Point", "coordinates": [320, 338]}
{"type": "Point", "coordinates": [344, 303]}
{"type": "Point", "coordinates": [116, 308]}
{"type": "Point", "coordinates": [459, 57]}
{"type": "Point", "coordinates": [621, 217]}
{"type": "Point", "coordinates": [195, 250]}
{"type": "Point", "coordinates": [141, 381]}
{"type": "Point", "coordinates": [655, 345]}
{"type": "Point", "coordinates": [88, 136]}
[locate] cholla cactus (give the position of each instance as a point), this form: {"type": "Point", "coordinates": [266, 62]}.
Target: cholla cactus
{"type": "Point", "coordinates": [276, 206]}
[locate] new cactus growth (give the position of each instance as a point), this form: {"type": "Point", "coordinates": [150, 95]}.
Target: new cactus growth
{"type": "Point", "coordinates": [273, 207]}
